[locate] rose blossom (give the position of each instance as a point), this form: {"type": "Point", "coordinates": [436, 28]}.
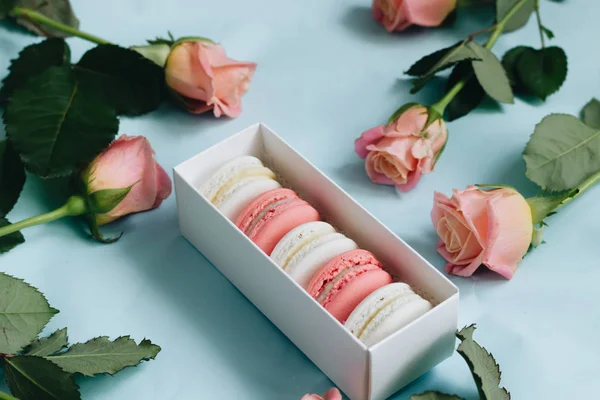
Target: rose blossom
{"type": "Point", "coordinates": [400, 152]}
{"type": "Point", "coordinates": [331, 394]}
{"type": "Point", "coordinates": [492, 228]}
{"type": "Point", "coordinates": [397, 15]}
{"type": "Point", "coordinates": [128, 161]}
{"type": "Point", "coordinates": [204, 78]}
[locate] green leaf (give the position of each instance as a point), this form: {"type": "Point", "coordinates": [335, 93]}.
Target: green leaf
{"type": "Point", "coordinates": [34, 378]}
{"type": "Point", "coordinates": [537, 237]}
{"type": "Point", "coordinates": [519, 18]}
{"type": "Point", "coordinates": [509, 62]}
{"type": "Point", "coordinates": [429, 65]}
{"type": "Point", "coordinates": [101, 356]}
{"type": "Point", "coordinates": [435, 395]}
{"type": "Point", "coordinates": [57, 122]}
{"type": "Point", "coordinates": [12, 177]}
{"type": "Point", "coordinates": [24, 312]}
{"type": "Point", "coordinates": [543, 206]}
{"type": "Point", "coordinates": [33, 60]}
{"type": "Point", "coordinates": [92, 220]}
{"type": "Point", "coordinates": [491, 74]}
{"type": "Point", "coordinates": [160, 40]}
{"type": "Point", "coordinates": [484, 368]}
{"type": "Point", "coordinates": [9, 241]}
{"type": "Point", "coordinates": [493, 186]}
{"type": "Point", "coordinates": [562, 152]}
{"type": "Point", "coordinates": [401, 111]}
{"type": "Point", "coordinates": [549, 34]}
{"type": "Point", "coordinates": [590, 114]}
{"type": "Point", "coordinates": [542, 72]}
{"type": "Point", "coordinates": [47, 346]}
{"type": "Point", "coordinates": [157, 53]}
{"type": "Point", "coordinates": [103, 201]}
{"type": "Point", "coordinates": [132, 83]}
{"type": "Point", "coordinates": [57, 10]}
{"type": "Point", "coordinates": [5, 7]}
{"type": "Point", "coordinates": [469, 97]}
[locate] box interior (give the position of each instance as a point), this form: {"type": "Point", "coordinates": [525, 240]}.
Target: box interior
{"type": "Point", "coordinates": [344, 213]}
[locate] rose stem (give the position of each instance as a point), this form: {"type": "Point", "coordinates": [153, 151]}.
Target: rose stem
{"type": "Point", "coordinates": [441, 105]}
{"type": "Point", "coordinates": [539, 22]}
{"type": "Point", "coordinates": [76, 205]}
{"type": "Point", "coordinates": [43, 20]}
{"type": "Point", "coordinates": [585, 185]}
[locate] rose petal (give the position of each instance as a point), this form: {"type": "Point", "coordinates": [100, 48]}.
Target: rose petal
{"type": "Point", "coordinates": [462, 270]}
{"type": "Point", "coordinates": [473, 205]}
{"type": "Point", "coordinates": [375, 176]}
{"type": "Point", "coordinates": [400, 148]}
{"type": "Point", "coordinates": [311, 397]}
{"type": "Point", "coordinates": [428, 13]}
{"type": "Point", "coordinates": [422, 148]}
{"type": "Point", "coordinates": [510, 231]}
{"type": "Point", "coordinates": [163, 185]}
{"type": "Point", "coordinates": [368, 137]}
{"type": "Point", "coordinates": [188, 72]}
{"type": "Point", "coordinates": [410, 123]}
{"type": "Point", "coordinates": [413, 179]}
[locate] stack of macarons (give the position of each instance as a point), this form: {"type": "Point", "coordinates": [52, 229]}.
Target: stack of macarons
{"type": "Point", "coordinates": [347, 281]}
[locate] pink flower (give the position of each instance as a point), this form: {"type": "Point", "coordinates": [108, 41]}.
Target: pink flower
{"type": "Point", "coordinates": [397, 15]}
{"type": "Point", "coordinates": [492, 228]}
{"type": "Point", "coordinates": [128, 161]}
{"type": "Point", "coordinates": [399, 153]}
{"type": "Point", "coordinates": [331, 394]}
{"type": "Point", "coordinates": [205, 78]}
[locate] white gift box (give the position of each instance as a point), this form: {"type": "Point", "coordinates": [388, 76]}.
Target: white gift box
{"type": "Point", "coordinates": [361, 372]}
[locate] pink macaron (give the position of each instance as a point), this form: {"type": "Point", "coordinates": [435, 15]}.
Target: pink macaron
{"type": "Point", "coordinates": [346, 280]}
{"type": "Point", "coordinates": [273, 214]}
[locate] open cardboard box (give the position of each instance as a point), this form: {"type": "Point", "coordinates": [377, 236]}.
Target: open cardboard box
{"type": "Point", "coordinates": [362, 373]}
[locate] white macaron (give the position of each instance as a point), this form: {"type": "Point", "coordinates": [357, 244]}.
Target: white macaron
{"type": "Point", "coordinates": [307, 248]}
{"type": "Point", "coordinates": [385, 311]}
{"type": "Point", "coordinates": [237, 183]}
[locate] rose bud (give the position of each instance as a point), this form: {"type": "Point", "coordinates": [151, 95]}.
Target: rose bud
{"type": "Point", "coordinates": [407, 147]}
{"type": "Point", "coordinates": [331, 394]}
{"type": "Point", "coordinates": [199, 74]}
{"type": "Point", "coordinates": [125, 179]}
{"type": "Point", "coordinates": [476, 227]}
{"type": "Point", "coordinates": [397, 15]}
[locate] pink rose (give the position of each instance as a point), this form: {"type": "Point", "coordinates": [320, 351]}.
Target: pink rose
{"type": "Point", "coordinates": [331, 394]}
{"type": "Point", "coordinates": [128, 161]}
{"type": "Point", "coordinates": [397, 15]}
{"type": "Point", "coordinates": [476, 227]}
{"type": "Point", "coordinates": [205, 78]}
{"type": "Point", "coordinates": [399, 153]}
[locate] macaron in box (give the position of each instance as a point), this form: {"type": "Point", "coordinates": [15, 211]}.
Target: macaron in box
{"type": "Point", "coordinates": [303, 290]}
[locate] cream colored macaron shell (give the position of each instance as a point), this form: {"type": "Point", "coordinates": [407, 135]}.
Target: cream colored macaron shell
{"type": "Point", "coordinates": [237, 183]}
{"type": "Point", "coordinates": [385, 311]}
{"type": "Point", "coordinates": [307, 248]}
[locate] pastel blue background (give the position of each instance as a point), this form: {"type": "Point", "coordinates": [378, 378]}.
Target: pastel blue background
{"type": "Point", "coordinates": [326, 72]}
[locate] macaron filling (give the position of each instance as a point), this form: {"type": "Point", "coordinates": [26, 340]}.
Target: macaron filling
{"type": "Point", "coordinates": [306, 247]}
{"type": "Point", "coordinates": [226, 172]}
{"type": "Point", "coordinates": [332, 269]}
{"type": "Point", "coordinates": [340, 280]}
{"type": "Point", "coordinates": [240, 179]}
{"type": "Point", "coordinates": [382, 306]}
{"type": "Point", "coordinates": [412, 306]}
{"type": "Point", "coordinates": [264, 214]}
{"type": "Point", "coordinates": [260, 207]}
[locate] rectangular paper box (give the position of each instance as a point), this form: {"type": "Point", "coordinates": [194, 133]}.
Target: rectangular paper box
{"type": "Point", "coordinates": [362, 373]}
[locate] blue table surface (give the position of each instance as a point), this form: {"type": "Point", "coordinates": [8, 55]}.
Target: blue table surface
{"type": "Point", "coordinates": [326, 72]}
